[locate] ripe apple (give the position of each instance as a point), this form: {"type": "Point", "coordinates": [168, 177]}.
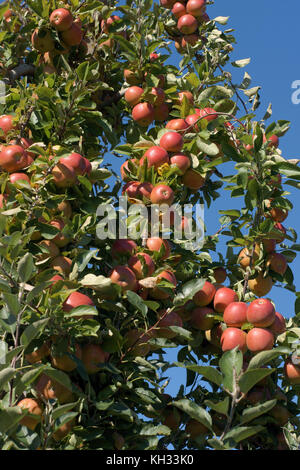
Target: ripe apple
{"type": "Point", "coordinates": [244, 257]}
{"type": "Point", "coordinates": [278, 326]}
{"type": "Point", "coordinates": [124, 277]}
{"type": "Point", "coordinates": [191, 121]}
{"type": "Point", "coordinates": [170, 319]}
{"type": "Point", "coordinates": [13, 158]}
{"type": "Point", "coordinates": [34, 408]}
{"type": "Point", "coordinates": [132, 78]}
{"type": "Point", "coordinates": [181, 161]}
{"type": "Point", "coordinates": [273, 141]}
{"type": "Point", "coordinates": [260, 285]}
{"type": "Point", "coordinates": [50, 250]}
{"type": "Point", "coordinates": [60, 239]}
{"type": "Point", "coordinates": [235, 314]}
{"type": "Point", "coordinates": [92, 356]}
{"type": "Point", "coordinates": [159, 95]}
{"type": "Point", "coordinates": [105, 24]}
{"type": "Point", "coordinates": [269, 245]}
{"type": "Point", "coordinates": [3, 200]}
{"type": "Point", "coordinates": [188, 95]}
{"type": "Point", "coordinates": [162, 194]}
{"type": "Point", "coordinates": [260, 339]}
{"type": "Point", "coordinates": [157, 292]}
{"type": "Point", "coordinates": [156, 156]}
{"type": "Point", "coordinates": [161, 112]}
{"type": "Point", "coordinates": [38, 354]}
{"type": "Point", "coordinates": [178, 10]}
{"type": "Point", "coordinates": [155, 245]}
{"type": "Point", "coordinates": [6, 123]}
{"type": "Point", "coordinates": [74, 161]}
{"type": "Point", "coordinates": [123, 247]}
{"type": "Point", "coordinates": [220, 274]}
{"type": "Point", "coordinates": [153, 56]}
{"type": "Point", "coordinates": [196, 7]}
{"type": "Point", "coordinates": [171, 417]}
{"type": "Point", "coordinates": [145, 189]}
{"type": "Point", "coordinates": [133, 95]}
{"type": "Point", "coordinates": [224, 296]}
{"type": "Point", "coordinates": [261, 313]}
{"type": "Point", "coordinates": [233, 337]}
{"type": "Point", "coordinates": [277, 262]}
{"type": "Point", "coordinates": [63, 176]}
{"type": "Point", "coordinates": [77, 299]}
{"type": "Point", "coordinates": [41, 40]}
{"type": "Point", "coordinates": [187, 24]}
{"type": "Point", "coordinates": [132, 189]}
{"type": "Point", "coordinates": [143, 114]}
{"type": "Point", "coordinates": [279, 227]}
{"type": "Point", "coordinates": [63, 430]}
{"type": "Point", "coordinates": [177, 124]}
{"type": "Point", "coordinates": [64, 362]}
{"type": "Point", "coordinates": [292, 372]}
{"type": "Point", "coordinates": [193, 180]}
{"type": "Point", "coordinates": [276, 213]}
{"type": "Point", "coordinates": [73, 36]}
{"type": "Point", "coordinates": [61, 19]}
{"type": "Point", "coordinates": [143, 268]}
{"type": "Point", "coordinates": [171, 142]}
{"type": "Point", "coordinates": [206, 112]}
{"type": "Point", "coordinates": [65, 209]}
{"type": "Point", "coordinates": [205, 295]}
{"type": "Point", "coordinates": [200, 320]}
{"type": "Point", "coordinates": [14, 177]}
{"type": "Point", "coordinates": [138, 341]}
{"type": "Point", "coordinates": [190, 39]}
{"type": "Point", "coordinates": [62, 264]}
{"type": "Point", "coordinates": [50, 389]}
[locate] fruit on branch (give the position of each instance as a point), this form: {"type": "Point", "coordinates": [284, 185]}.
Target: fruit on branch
{"type": "Point", "coordinates": [292, 372]}
{"type": "Point", "coordinates": [244, 257]}
{"type": "Point", "coordinates": [64, 361]}
{"type": "Point", "coordinates": [224, 296]}
{"type": "Point", "coordinates": [42, 41]}
{"type": "Point", "coordinates": [277, 262]}
{"type": "Point", "coordinates": [105, 24]}
{"type": "Point", "coordinates": [233, 337]}
{"type": "Point", "coordinates": [65, 209]}
{"type": "Point", "coordinates": [38, 354]}
{"type": "Point", "coordinates": [51, 389]}
{"type": "Point", "coordinates": [60, 240]}
{"type": "Point", "coordinates": [235, 314]}
{"type": "Point", "coordinates": [6, 124]}
{"type": "Point", "coordinates": [177, 124]}
{"type": "Point", "coordinates": [14, 177]}
{"type": "Point", "coordinates": [220, 274]}
{"type": "Point", "coordinates": [260, 339]}
{"type": "Point", "coordinates": [137, 341]}
{"type": "Point", "coordinates": [132, 78]}
{"type": "Point", "coordinates": [161, 112]}
{"type": "Point", "coordinates": [132, 189]}
{"type": "Point", "coordinates": [153, 56]}
{"type": "Point", "coordinates": [205, 295]}
{"type": "Point", "coordinates": [143, 114]}
{"type": "Point", "coordinates": [208, 112]}
{"type": "Point", "coordinates": [123, 277]}
{"type": "Point", "coordinates": [162, 329]}
{"type": "Point", "coordinates": [258, 395]}
{"type": "Point", "coordinates": [201, 319]}
{"type": "Point", "coordinates": [171, 142]}
{"type": "Point", "coordinates": [63, 176]}
{"type": "Point", "coordinates": [159, 95]}
{"type": "Point", "coordinates": [279, 237]}
{"type": "Point", "coordinates": [75, 161]}
{"type": "Point", "coordinates": [281, 414]}
{"type": "Point", "coordinates": [155, 244]}
{"type": "Point", "coordinates": [62, 264]}
{"type": "Point", "coordinates": [156, 156]}
{"type": "Point", "coordinates": [181, 161]}
{"type": "Point", "coordinates": [145, 190]}
{"type": "Point", "coordinates": [192, 120]}
{"type": "Point", "coordinates": [276, 213]}
{"type": "Point", "coordinates": [269, 245]}
{"type": "Point", "coordinates": [189, 39]}
{"type": "Point", "coordinates": [195, 429]}
{"type": "Point", "coordinates": [187, 24]}
{"type": "Point", "coordinates": [196, 7]}
{"type": "Point", "coordinates": [73, 36]}
{"type": "Point", "coordinates": [171, 417]}
{"type": "Point", "coordinates": [133, 95]}
{"type": "Point", "coordinates": [63, 430]}
{"type": "Point", "coordinates": [144, 268]}
{"type": "Point", "coordinates": [261, 313]}
{"type": "Point", "coordinates": [273, 140]}
{"type": "Point", "coordinates": [214, 335]}
{"type": "Point", "coordinates": [61, 19]}
{"type": "Point", "coordinates": [260, 286]}
{"type": "Point", "coordinates": [49, 250]}
{"type": "Point", "coordinates": [13, 158]}
{"type": "Point", "coordinates": [193, 180]}
{"type": "Point", "coordinates": [278, 326]}
{"type": "Point", "coordinates": [123, 247]}
{"type": "Point", "coordinates": [186, 94]}
{"type": "Point", "coordinates": [34, 408]}
{"type": "Point", "coordinates": [162, 194]}
{"type": "Point", "coordinates": [77, 299]}
{"type": "Point", "coordinates": [178, 10]}
{"type": "Point", "coordinates": [92, 356]}
{"type": "Point", "coordinates": [158, 292]}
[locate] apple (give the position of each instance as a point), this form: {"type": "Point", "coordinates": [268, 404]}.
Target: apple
{"type": "Point", "coordinates": [132, 189]}
{"type": "Point", "coordinates": [261, 313]}
{"type": "Point", "coordinates": [178, 10]}
{"type": "Point", "coordinates": [143, 268]}
{"type": "Point", "coordinates": [269, 245]}
{"type": "Point", "coordinates": [177, 124]}
{"type": "Point", "coordinates": [233, 337]}
{"type": "Point", "coordinates": [77, 299]}
{"type": "Point", "coordinates": [61, 19]}
{"type": "Point", "coordinates": [196, 7]}
{"type": "Point", "coordinates": [292, 372]}
{"type": "Point", "coordinates": [73, 36]}
{"type": "Point", "coordinates": [50, 250]}
{"type": "Point", "coordinates": [192, 120]}
{"type": "Point", "coordinates": [273, 141]}
{"type": "Point", "coordinates": [181, 161]}
{"type": "Point", "coordinates": [6, 123]}
{"type": "Point", "coordinates": [195, 429]}
{"type": "Point", "coordinates": [145, 189]}
{"type": "Point", "coordinates": [41, 40]}
{"type": "Point", "coordinates": [276, 213]}
{"type": "Point", "coordinates": [123, 247]}
{"type": "Point", "coordinates": [123, 277]}
{"type": "Point", "coordinates": [279, 227]}
{"type": "Point", "coordinates": [92, 356]}
{"type": "Point", "coordinates": [224, 296]}
{"type": "Point", "coordinates": [105, 24]}
{"type": "Point", "coordinates": [13, 158]}
{"type": "Point", "coordinates": [193, 180]}
{"type": "Point", "coordinates": [200, 319]}
{"type": "Point", "coordinates": [156, 156]}
{"type": "Point", "coordinates": [278, 326]}
{"type": "Point", "coordinates": [153, 56]}
{"type": "Point", "coordinates": [190, 39]}
{"type": "Point", "coordinates": [260, 339]}
{"type": "Point", "coordinates": [60, 240]}
{"type": "Point", "coordinates": [260, 285]}
{"type": "Point", "coordinates": [155, 244]}
{"type": "Point", "coordinates": [33, 407]}
{"type": "Point", "coordinates": [64, 362]}
{"type": "Point", "coordinates": [38, 354]}
{"type": "Point", "coordinates": [159, 95]}
{"type": "Point", "coordinates": [277, 262]}
{"type": "Point", "coordinates": [162, 328]}
{"type": "Point", "coordinates": [14, 177]}
{"type": "Point", "coordinates": [143, 114]}
{"type": "Point", "coordinates": [171, 417]}
{"type": "Point", "coordinates": [3, 200]}
{"type": "Point", "coordinates": [205, 295]}
{"type": "Point", "coordinates": [244, 257]}
{"type": "Point", "coordinates": [171, 142]}
{"type": "Point", "coordinates": [133, 95]}
{"type": "Point", "coordinates": [65, 209]}
{"type": "Point", "coordinates": [132, 78]}
{"type": "Point", "coordinates": [188, 95]}
{"type": "Point", "coordinates": [74, 161]}
{"type": "Point", "coordinates": [220, 274]}
{"type": "Point", "coordinates": [50, 389]}
{"type": "Point", "coordinates": [62, 264]}
{"type": "Point", "coordinates": [162, 194]}
{"type": "Point", "coordinates": [161, 112]}
{"type": "Point", "coordinates": [208, 112]}
{"type": "Point", "coordinates": [157, 292]}
{"type": "Point", "coordinates": [63, 176]}
{"type": "Point", "coordinates": [235, 314]}
{"type": "Point", "coordinates": [187, 24]}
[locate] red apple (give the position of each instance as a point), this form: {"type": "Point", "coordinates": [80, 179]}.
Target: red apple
{"type": "Point", "coordinates": [196, 7]}
{"type": "Point", "coordinates": [63, 176]}
{"type": "Point", "coordinates": [155, 244]}
{"type": "Point", "coordinates": [132, 189]}
{"type": "Point", "coordinates": [143, 114]}
{"type": "Point", "coordinates": [171, 142]}
{"type": "Point", "coordinates": [206, 112]}
{"type": "Point", "coordinates": [193, 180]}
{"type": "Point", "coordinates": [170, 319]}
{"type": "Point", "coordinates": [73, 36]}
{"type": "Point", "coordinates": [133, 95]}
{"type": "Point", "coordinates": [261, 313]}
{"type": "Point", "coordinates": [260, 339]}
{"type": "Point", "coordinates": [124, 277]}
{"type": "Point", "coordinates": [157, 292]}
{"type": "Point", "coordinates": [178, 10]}
{"type": "Point", "coordinates": [181, 161]}
{"type": "Point", "coordinates": [235, 314]}
{"type": "Point", "coordinates": [76, 299]}
{"type": "Point", "coordinates": [156, 156]}
{"type": "Point", "coordinates": [13, 158]}
{"type": "Point", "coordinates": [278, 326]}
{"type": "Point", "coordinates": [233, 337]}
{"type": "Point", "coordinates": [145, 189]}
{"type": "Point", "coordinates": [205, 295]}
{"type": "Point", "coordinates": [162, 194]}
{"type": "Point", "coordinates": [143, 268]}
{"type": "Point", "coordinates": [224, 296]}
{"type": "Point", "coordinates": [200, 319]}
{"type": "Point", "coordinates": [74, 161]}
{"type": "Point", "coordinates": [61, 19]}
{"type": "Point", "coordinates": [124, 166]}
{"type": "Point", "coordinates": [187, 24]}
{"type": "Point", "coordinates": [6, 123]}
{"type": "Point", "coordinates": [123, 247]}
{"type": "Point", "coordinates": [13, 177]}
{"type": "Point", "coordinates": [177, 124]}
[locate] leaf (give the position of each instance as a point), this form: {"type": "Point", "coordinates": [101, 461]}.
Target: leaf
{"type": "Point", "coordinates": [194, 411]}
{"type": "Point", "coordinates": [240, 433]}
{"type": "Point", "coordinates": [60, 377]}
{"type": "Point", "coordinates": [137, 302]}
{"type": "Point", "coordinates": [150, 430]}
{"type": "Point", "coordinates": [25, 267]}
{"type": "Point", "coordinates": [241, 63]}
{"type": "Point", "coordinates": [186, 334]}
{"type": "Point", "coordinates": [188, 291]}
{"type": "Point", "coordinates": [9, 418]}
{"type": "Point", "coordinates": [207, 147]}
{"type": "Point", "coordinates": [222, 19]}
{"type": "Point", "coordinates": [231, 365]}
{"type": "Point", "coordinates": [210, 373]}
{"type": "Point", "coordinates": [33, 330]}
{"type": "Point", "coordinates": [251, 377]}
{"type": "Point", "coordinates": [220, 407]}
{"type": "Point", "coordinates": [264, 357]}
{"type": "Point", "coordinates": [61, 410]}
{"type": "Point", "coordinates": [251, 413]}
{"type": "Point", "coordinates": [6, 375]}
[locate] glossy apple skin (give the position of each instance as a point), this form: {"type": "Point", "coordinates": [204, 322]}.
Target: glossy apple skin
{"type": "Point", "coordinates": [208, 112]}
{"type": "Point", "coordinates": [181, 161]}
{"type": "Point", "coordinates": [73, 36]}
{"type": "Point", "coordinates": [63, 176]}
{"type": "Point", "coordinates": [193, 180]}
{"type": "Point", "coordinates": [145, 189]}
{"type": "Point", "coordinates": [138, 268]}
{"type": "Point", "coordinates": [77, 299]}
{"type": "Point", "coordinates": [154, 244]}
{"type": "Point", "coordinates": [192, 120]}
{"type": "Point", "coordinates": [200, 320]}
{"type": "Point", "coordinates": [74, 161]}
{"type": "Point", "coordinates": [177, 124]}
{"type": "Point", "coordinates": [178, 10]}
{"type": "Point", "coordinates": [235, 314]}
{"type": "Point", "coordinates": [33, 408]}
{"type": "Point", "coordinates": [61, 19]}
{"type": "Point", "coordinates": [133, 95]}
{"type": "Point", "coordinates": [161, 112]}
{"type": "Point", "coordinates": [158, 293]}
{"type": "Point", "coordinates": [205, 296]}
{"type": "Point", "coordinates": [6, 123]}
{"type": "Point", "coordinates": [171, 142]}
{"type": "Point", "coordinates": [162, 194]}
{"type": "Point", "coordinates": [13, 158]}
{"type": "Point", "coordinates": [14, 177]}
{"type": "Point", "coordinates": [260, 339]}
{"type": "Point", "coordinates": [220, 275]}
{"type": "Point", "coordinates": [292, 372]}
{"type": "Point", "coordinates": [260, 285]}
{"type": "Point", "coordinates": [224, 296]}
{"type": "Point", "coordinates": [261, 313]}
{"type": "Point", "coordinates": [64, 361]}
{"type": "Point", "coordinates": [277, 263]}
{"type": "Point", "coordinates": [124, 277]}
{"type": "Point", "coordinates": [188, 95]}
{"type": "Point", "coordinates": [143, 114]}
{"type": "Point", "coordinates": [156, 156]}
{"type": "Point", "coordinates": [123, 247]}
{"type": "Point", "coordinates": [187, 24]}
{"type": "Point", "coordinates": [196, 7]}
{"type": "Point", "coordinates": [232, 337]}
{"type": "Point", "coordinates": [278, 326]}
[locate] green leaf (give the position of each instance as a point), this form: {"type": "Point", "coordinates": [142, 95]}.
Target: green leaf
{"type": "Point", "coordinates": [188, 291]}
{"type": "Point", "coordinates": [210, 373]}
{"type": "Point", "coordinates": [60, 377]}
{"type": "Point", "coordinates": [25, 267]}
{"type": "Point", "coordinates": [61, 410]}
{"type": "Point", "coordinates": [207, 147]}
{"type": "Point", "coordinates": [9, 418]}
{"type": "Point", "coordinates": [220, 407]}
{"type": "Point", "coordinates": [186, 334]}
{"type": "Point", "coordinates": [241, 63]}
{"type": "Point", "coordinates": [231, 365]}
{"type": "Point", "coordinates": [33, 330]}
{"type": "Point", "coordinates": [194, 411]}
{"type": "Point", "coordinates": [251, 413]}
{"type": "Point", "coordinates": [137, 302]}
{"type": "Point", "coordinates": [6, 375]}
{"type": "Point", "coordinates": [240, 433]}
{"type": "Point", "coordinates": [264, 357]}
{"type": "Point", "coordinates": [150, 430]}
{"type": "Point", "coordinates": [251, 377]}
